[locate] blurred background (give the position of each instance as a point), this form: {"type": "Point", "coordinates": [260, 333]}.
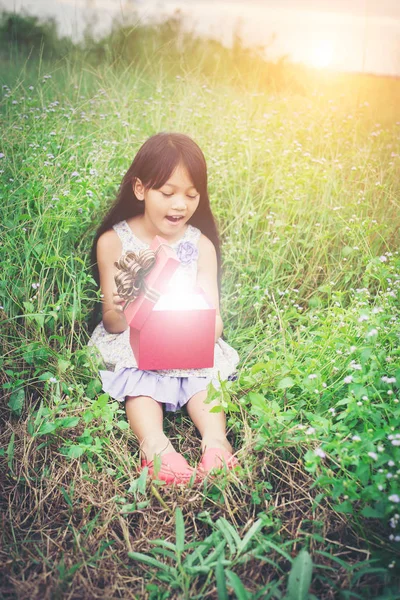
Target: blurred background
{"type": "Point", "coordinates": [359, 36]}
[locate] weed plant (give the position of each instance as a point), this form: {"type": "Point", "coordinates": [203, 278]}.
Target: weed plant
{"type": "Point", "coordinates": [305, 189]}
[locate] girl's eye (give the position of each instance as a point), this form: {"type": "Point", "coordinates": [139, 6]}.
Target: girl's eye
{"type": "Point", "coordinates": [169, 196]}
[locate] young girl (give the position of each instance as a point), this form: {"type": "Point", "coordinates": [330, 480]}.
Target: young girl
{"type": "Point", "coordinates": [164, 192]}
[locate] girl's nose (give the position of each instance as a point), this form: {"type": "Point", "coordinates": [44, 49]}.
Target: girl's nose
{"type": "Point", "coordinates": [179, 203]}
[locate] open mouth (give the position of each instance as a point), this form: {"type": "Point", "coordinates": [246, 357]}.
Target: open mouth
{"type": "Point", "coordinates": [174, 219]}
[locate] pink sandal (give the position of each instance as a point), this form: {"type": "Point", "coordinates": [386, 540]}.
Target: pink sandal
{"type": "Point", "coordinates": [174, 468]}
{"type": "Point", "coordinates": [217, 458]}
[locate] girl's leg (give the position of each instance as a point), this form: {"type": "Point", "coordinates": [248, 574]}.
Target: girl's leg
{"type": "Point", "coordinates": [145, 416]}
{"type": "Point", "coordinates": [210, 425]}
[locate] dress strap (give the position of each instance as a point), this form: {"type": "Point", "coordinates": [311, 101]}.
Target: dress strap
{"type": "Point", "coordinates": [128, 239]}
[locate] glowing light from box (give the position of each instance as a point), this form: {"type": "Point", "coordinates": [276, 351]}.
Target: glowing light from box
{"type": "Point", "coordinates": [181, 301]}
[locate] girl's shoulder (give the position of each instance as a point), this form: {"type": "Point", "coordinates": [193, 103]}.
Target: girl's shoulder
{"type": "Point", "coordinates": [205, 245]}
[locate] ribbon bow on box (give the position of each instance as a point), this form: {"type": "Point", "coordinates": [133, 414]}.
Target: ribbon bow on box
{"type": "Point", "coordinates": [134, 268]}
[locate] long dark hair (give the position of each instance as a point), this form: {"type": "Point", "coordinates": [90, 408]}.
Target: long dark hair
{"type": "Point", "coordinates": [154, 163]}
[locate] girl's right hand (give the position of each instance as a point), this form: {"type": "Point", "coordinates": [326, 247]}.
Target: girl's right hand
{"type": "Point", "coordinates": [118, 301]}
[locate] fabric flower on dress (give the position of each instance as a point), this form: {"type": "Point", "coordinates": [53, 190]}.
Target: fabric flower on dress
{"type": "Point", "coordinates": [187, 252]}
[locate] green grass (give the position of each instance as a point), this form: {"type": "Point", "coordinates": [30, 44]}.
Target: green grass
{"type": "Point", "coordinates": [305, 188]}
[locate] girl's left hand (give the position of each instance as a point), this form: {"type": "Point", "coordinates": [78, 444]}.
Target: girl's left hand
{"type": "Point", "coordinates": [118, 302]}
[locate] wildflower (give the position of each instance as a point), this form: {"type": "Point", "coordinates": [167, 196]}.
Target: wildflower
{"type": "Point", "coordinates": [391, 463]}
{"type": "Point", "coordinates": [2, 155]}
{"type": "Point", "coordinates": [312, 376]}
{"type": "Point", "coordinates": [348, 379]}
{"type": "Point", "coordinates": [319, 452]}
{"type": "Point", "coordinates": [310, 431]}
{"type": "Point", "coordinates": [53, 380]}
{"type": "Point", "coordinates": [75, 174]}
{"type": "Point", "coordinates": [380, 488]}
{"type": "Point", "coordinates": [356, 438]}
{"type": "Point", "coordinates": [332, 411]}
{"type": "Point", "coordinates": [356, 366]}
{"type": "Point", "coordinates": [394, 498]}
{"type": "Point", "coordinates": [372, 332]}
{"type": "Point", "coordinates": [35, 285]}
{"type": "Point", "coordinates": [373, 455]}
{"type": "Point", "coordinates": [363, 318]}
{"type": "Point", "coordinates": [383, 258]}
{"type": "Point", "coordinates": [395, 442]}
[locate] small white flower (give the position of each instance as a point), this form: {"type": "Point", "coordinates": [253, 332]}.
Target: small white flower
{"type": "Point", "coordinates": [383, 258]}
{"type": "Point", "coordinates": [319, 452]}
{"type": "Point", "coordinates": [356, 438]}
{"type": "Point", "coordinates": [2, 155]}
{"type": "Point", "coordinates": [380, 488]}
{"type": "Point", "coordinates": [312, 376]}
{"type": "Point", "coordinates": [356, 367]}
{"type": "Point", "coordinates": [75, 174]}
{"type": "Point", "coordinates": [395, 442]}
{"type": "Point", "coordinates": [363, 318]}
{"type": "Point", "coordinates": [310, 431]}
{"type": "Point", "coordinates": [373, 455]}
{"type": "Point", "coordinates": [391, 463]}
{"type": "Point", "coordinates": [53, 380]}
{"type": "Point", "coordinates": [394, 498]}
{"type": "Point", "coordinates": [348, 379]}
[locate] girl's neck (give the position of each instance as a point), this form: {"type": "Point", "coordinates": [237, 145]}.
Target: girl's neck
{"type": "Point", "coordinates": [146, 232]}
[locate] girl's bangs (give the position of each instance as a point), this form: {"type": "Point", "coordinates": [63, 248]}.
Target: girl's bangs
{"type": "Point", "coordinates": [167, 165]}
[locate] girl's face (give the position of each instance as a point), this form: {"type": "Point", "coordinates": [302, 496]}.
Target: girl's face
{"type": "Point", "coordinates": [167, 210]}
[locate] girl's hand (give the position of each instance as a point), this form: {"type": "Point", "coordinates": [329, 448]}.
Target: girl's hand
{"type": "Point", "coordinates": [118, 301]}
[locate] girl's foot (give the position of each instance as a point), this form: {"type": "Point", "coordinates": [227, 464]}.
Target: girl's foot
{"type": "Point", "coordinates": [215, 442]}
{"type": "Point", "coordinates": [155, 445]}
{"type": "Point", "coordinates": [216, 454]}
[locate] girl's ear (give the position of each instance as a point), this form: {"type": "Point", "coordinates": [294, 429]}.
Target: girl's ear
{"type": "Point", "coordinates": [138, 188]}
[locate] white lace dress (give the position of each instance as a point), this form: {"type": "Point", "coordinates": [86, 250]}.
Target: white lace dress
{"type": "Point", "coordinates": [174, 387]}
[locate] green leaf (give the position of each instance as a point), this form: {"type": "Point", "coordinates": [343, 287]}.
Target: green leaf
{"type": "Point", "coordinates": [46, 427]}
{"type": "Point", "coordinates": [180, 530]}
{"type": "Point", "coordinates": [122, 425]}
{"type": "Point", "coordinates": [149, 560]}
{"type": "Point", "coordinates": [75, 451]}
{"type": "Point", "coordinates": [285, 383]}
{"type": "Point", "coordinates": [237, 585]}
{"type": "Point", "coordinates": [16, 401]}
{"type": "Point", "coordinates": [371, 513]}
{"type": "Point", "coordinates": [229, 533]}
{"type": "Point", "coordinates": [63, 364]}
{"type": "Point", "coordinates": [45, 376]}
{"type": "Point", "coordinates": [67, 422]}
{"type": "Point", "coordinates": [344, 507]}
{"type": "Point", "coordinates": [222, 591]}
{"type": "Point", "coordinates": [252, 532]}
{"type": "Point", "coordinates": [10, 451]}
{"type": "Point", "coordinates": [300, 576]}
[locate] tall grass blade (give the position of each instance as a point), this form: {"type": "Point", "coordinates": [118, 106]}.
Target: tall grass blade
{"type": "Point", "coordinates": [300, 576]}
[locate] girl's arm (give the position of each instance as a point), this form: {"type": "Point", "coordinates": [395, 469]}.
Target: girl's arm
{"type": "Point", "coordinates": [207, 278]}
{"type": "Point", "coordinates": [108, 251]}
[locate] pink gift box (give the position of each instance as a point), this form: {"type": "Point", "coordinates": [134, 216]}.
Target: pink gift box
{"type": "Point", "coordinates": [173, 331]}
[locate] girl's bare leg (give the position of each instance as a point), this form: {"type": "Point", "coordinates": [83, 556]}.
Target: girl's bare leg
{"type": "Point", "coordinates": [212, 426]}
{"type": "Point", "coordinates": [145, 416]}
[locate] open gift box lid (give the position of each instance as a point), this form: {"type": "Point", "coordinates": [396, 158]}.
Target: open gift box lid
{"type": "Point", "coordinates": [157, 282]}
